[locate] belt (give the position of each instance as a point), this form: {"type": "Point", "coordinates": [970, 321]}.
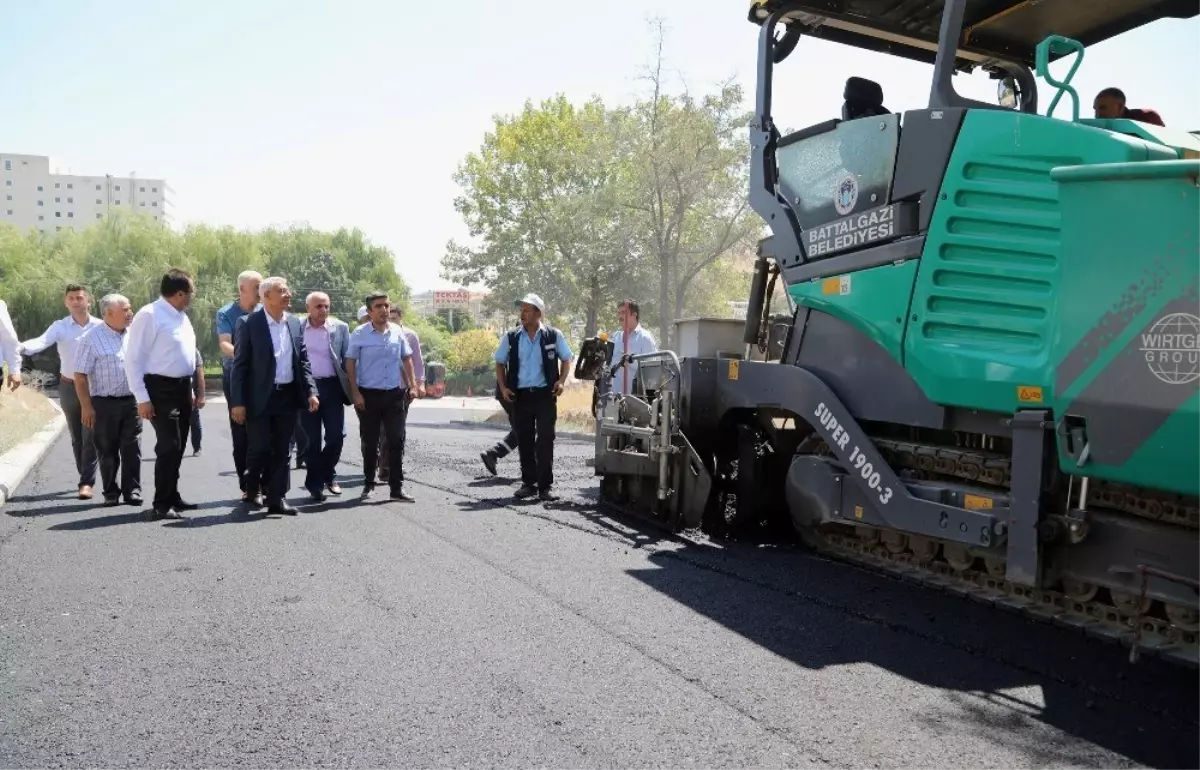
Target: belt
{"type": "Point", "coordinates": [170, 379]}
{"type": "Point", "coordinates": [112, 398]}
{"type": "Point", "coordinates": [533, 390]}
{"type": "Point", "coordinates": [285, 385]}
{"type": "Point", "coordinates": [323, 379]}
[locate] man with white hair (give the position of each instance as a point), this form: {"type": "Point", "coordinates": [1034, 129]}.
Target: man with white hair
{"type": "Point", "coordinates": [227, 318]}
{"type": "Point", "coordinates": [326, 339]}
{"type": "Point", "coordinates": [270, 381]}
{"type": "Point", "coordinates": [107, 404]}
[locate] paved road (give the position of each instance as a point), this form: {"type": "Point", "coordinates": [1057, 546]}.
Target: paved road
{"type": "Point", "coordinates": [469, 630]}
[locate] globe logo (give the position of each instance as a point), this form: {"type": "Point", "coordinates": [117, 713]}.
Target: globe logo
{"type": "Point", "coordinates": [1172, 348]}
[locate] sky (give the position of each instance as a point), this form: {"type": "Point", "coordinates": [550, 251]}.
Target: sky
{"type": "Point", "coordinates": [356, 113]}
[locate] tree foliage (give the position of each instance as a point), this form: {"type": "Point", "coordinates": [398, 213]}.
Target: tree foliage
{"type": "Point", "coordinates": [471, 350]}
{"type": "Point", "coordinates": [589, 204]}
{"type": "Point", "coordinates": [128, 254]}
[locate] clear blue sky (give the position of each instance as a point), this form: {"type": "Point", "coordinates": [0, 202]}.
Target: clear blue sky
{"type": "Point", "coordinates": [356, 112]}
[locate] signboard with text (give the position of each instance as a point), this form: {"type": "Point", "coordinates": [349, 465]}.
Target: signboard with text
{"type": "Point", "coordinates": [455, 300]}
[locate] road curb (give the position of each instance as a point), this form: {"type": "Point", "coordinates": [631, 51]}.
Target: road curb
{"type": "Point", "coordinates": [16, 463]}
{"type": "Point", "coordinates": [570, 435]}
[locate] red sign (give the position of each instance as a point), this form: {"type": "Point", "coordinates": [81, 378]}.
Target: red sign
{"type": "Point", "coordinates": [452, 299]}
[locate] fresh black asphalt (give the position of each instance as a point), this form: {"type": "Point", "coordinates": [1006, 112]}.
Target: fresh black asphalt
{"type": "Point", "coordinates": [472, 630]}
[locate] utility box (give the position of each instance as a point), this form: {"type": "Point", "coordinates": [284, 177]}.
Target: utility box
{"type": "Point", "coordinates": [711, 338]}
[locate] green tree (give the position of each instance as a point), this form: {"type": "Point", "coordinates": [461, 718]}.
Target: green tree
{"type": "Point", "coordinates": [541, 196]}
{"type": "Point", "coordinates": [691, 188]}
{"type": "Point", "coordinates": [471, 351]}
{"type": "Point", "coordinates": [322, 272]}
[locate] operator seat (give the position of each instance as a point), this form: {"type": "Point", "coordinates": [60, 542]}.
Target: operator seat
{"type": "Point", "coordinates": [864, 99]}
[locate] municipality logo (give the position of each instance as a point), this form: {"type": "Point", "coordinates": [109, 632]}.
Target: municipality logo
{"type": "Point", "coordinates": [1172, 348]}
{"type": "Point", "coordinates": [845, 194]}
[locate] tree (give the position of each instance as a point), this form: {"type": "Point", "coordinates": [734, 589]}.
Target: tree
{"type": "Point", "coordinates": [691, 188]}
{"type": "Point", "coordinates": [541, 196]}
{"type": "Point", "coordinates": [322, 272]}
{"type": "Point", "coordinates": [128, 254]}
{"type": "Point", "coordinates": [470, 351]}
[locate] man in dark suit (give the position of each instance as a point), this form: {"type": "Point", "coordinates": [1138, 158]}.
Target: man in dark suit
{"type": "Point", "coordinates": [326, 339]}
{"type": "Point", "coordinates": [271, 380]}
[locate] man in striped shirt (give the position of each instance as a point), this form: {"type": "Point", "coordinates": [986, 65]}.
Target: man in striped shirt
{"type": "Point", "coordinates": [65, 332]}
{"type": "Point", "coordinates": [108, 408]}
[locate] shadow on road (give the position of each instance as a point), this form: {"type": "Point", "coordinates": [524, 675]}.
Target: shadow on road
{"type": "Point", "coordinates": [1004, 672]}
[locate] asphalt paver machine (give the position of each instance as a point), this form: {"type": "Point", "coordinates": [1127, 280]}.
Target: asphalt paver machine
{"type": "Point", "coordinates": [987, 377]}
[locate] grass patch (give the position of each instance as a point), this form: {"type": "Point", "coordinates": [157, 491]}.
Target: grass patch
{"type": "Point", "coordinates": [574, 410]}
{"type": "Point", "coordinates": [22, 414]}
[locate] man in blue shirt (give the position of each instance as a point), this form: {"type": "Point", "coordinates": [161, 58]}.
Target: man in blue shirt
{"type": "Point", "coordinates": [374, 358]}
{"type": "Point", "coordinates": [532, 364]}
{"type": "Point", "coordinates": [227, 318]}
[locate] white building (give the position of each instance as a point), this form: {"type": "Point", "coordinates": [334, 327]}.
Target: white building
{"type": "Point", "coordinates": [34, 197]}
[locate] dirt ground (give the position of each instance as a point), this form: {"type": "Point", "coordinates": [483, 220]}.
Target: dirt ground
{"type": "Point", "coordinates": [22, 414]}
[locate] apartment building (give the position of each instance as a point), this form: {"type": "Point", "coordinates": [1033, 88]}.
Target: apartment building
{"type": "Point", "coordinates": [35, 197]}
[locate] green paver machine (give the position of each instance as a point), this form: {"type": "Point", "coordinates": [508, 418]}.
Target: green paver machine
{"type": "Point", "coordinates": [989, 377]}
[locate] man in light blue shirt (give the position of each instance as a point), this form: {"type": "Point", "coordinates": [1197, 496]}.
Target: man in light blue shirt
{"type": "Point", "coordinates": [532, 366]}
{"type": "Point", "coordinates": [374, 358]}
{"type": "Point", "coordinates": [631, 338]}
{"type": "Point", "coordinates": [227, 317]}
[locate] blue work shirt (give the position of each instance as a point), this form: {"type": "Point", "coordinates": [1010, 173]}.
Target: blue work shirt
{"type": "Point", "coordinates": [378, 356]}
{"type": "Point", "coordinates": [227, 318]}
{"type": "Point", "coordinates": [529, 357]}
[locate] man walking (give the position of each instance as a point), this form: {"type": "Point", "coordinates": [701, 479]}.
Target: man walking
{"type": "Point", "coordinates": [374, 358]}
{"type": "Point", "coordinates": [107, 405]}
{"type": "Point", "coordinates": [227, 318]}
{"type": "Point", "coordinates": [532, 364]}
{"type": "Point", "coordinates": [396, 316]}
{"type": "Point", "coordinates": [326, 339]}
{"type": "Point", "coordinates": [160, 363]}
{"type": "Point", "coordinates": [10, 347]}
{"type": "Point", "coordinates": [506, 445]}
{"type": "Point", "coordinates": [270, 381]}
{"type": "Point", "coordinates": [65, 333]}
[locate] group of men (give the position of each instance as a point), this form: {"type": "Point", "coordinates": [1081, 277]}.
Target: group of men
{"type": "Point", "coordinates": [281, 374]}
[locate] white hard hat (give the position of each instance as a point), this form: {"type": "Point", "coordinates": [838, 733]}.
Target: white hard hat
{"type": "Point", "coordinates": [532, 299]}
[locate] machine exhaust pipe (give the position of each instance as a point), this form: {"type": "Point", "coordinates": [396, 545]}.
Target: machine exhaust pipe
{"type": "Point", "coordinates": [758, 295]}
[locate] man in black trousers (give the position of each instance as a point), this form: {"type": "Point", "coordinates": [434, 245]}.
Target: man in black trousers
{"type": "Point", "coordinates": [107, 405]}
{"type": "Point", "coordinates": [161, 363]}
{"type": "Point", "coordinates": [271, 380]}
{"type": "Point", "coordinates": [532, 365]}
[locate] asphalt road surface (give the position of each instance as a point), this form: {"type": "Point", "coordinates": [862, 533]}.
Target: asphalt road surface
{"type": "Point", "coordinates": [469, 629]}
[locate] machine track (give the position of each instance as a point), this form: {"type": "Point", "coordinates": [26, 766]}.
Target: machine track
{"type": "Point", "coordinates": [1146, 627]}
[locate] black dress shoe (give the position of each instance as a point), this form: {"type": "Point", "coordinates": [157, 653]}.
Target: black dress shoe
{"type": "Point", "coordinates": [546, 496]}
{"type": "Point", "coordinates": [109, 502]}
{"type": "Point", "coordinates": [316, 496]}
{"type": "Point", "coordinates": [489, 461]}
{"type": "Point", "coordinates": [334, 488]}
{"type": "Point", "coordinates": [133, 499]}
{"type": "Point", "coordinates": [368, 492]}
{"type": "Point", "coordinates": [156, 513]}
{"type": "Point", "coordinates": [403, 497]}
{"type": "Point", "coordinates": [525, 491]}
{"type": "Point", "coordinates": [283, 509]}
{"type": "Point", "coordinates": [181, 505]}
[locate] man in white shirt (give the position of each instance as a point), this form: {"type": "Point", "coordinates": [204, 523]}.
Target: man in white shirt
{"type": "Point", "coordinates": [639, 343]}
{"type": "Point", "coordinates": [65, 333]}
{"type": "Point", "coordinates": [161, 363]}
{"type": "Point", "coordinates": [10, 348]}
